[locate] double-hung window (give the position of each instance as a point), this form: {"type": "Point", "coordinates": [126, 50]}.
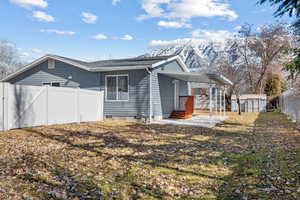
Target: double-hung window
{"type": "Point", "coordinates": [117, 87]}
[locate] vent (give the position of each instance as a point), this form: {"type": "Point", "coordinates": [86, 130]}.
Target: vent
{"type": "Point", "coordinates": [51, 64]}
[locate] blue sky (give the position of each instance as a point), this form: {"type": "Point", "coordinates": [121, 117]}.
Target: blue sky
{"type": "Point", "coordinates": [104, 29]}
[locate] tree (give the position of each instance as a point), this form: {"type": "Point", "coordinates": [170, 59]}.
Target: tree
{"type": "Point", "coordinates": [290, 7]}
{"type": "Point", "coordinates": [234, 71]}
{"type": "Point", "coordinates": [9, 59]}
{"type": "Point", "coordinates": [259, 52]}
{"type": "Point", "coordinates": [275, 84]}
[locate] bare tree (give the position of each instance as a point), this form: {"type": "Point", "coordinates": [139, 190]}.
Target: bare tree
{"type": "Point", "coordinates": [261, 52]}
{"type": "Point", "coordinates": [231, 67]}
{"type": "Point", "coordinates": [9, 59]}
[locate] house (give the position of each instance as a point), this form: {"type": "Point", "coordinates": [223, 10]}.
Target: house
{"type": "Point", "coordinates": [135, 88]}
{"type": "Point", "coordinates": [250, 103]}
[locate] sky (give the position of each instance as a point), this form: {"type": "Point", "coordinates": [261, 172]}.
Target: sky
{"type": "Point", "coordinates": [110, 29]}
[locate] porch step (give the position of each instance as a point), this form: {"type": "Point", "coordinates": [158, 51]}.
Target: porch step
{"type": "Point", "coordinates": [181, 115]}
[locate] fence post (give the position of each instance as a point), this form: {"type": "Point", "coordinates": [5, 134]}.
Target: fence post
{"type": "Point", "coordinates": [77, 105]}
{"type": "Point", "coordinates": [47, 104]}
{"type": "Point", "coordinates": [5, 106]}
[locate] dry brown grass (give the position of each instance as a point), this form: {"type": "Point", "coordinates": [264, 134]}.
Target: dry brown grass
{"type": "Point", "coordinates": [254, 156]}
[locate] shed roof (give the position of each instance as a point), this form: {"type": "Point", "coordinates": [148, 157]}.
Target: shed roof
{"type": "Point", "coordinates": [250, 96]}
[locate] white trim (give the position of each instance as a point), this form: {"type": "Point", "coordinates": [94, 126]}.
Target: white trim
{"type": "Point", "coordinates": [116, 75]}
{"type": "Point", "coordinates": [183, 65]}
{"type": "Point", "coordinates": [177, 58]}
{"type": "Point", "coordinates": [163, 62]}
{"type": "Point", "coordinates": [41, 60]}
{"type": "Point", "coordinates": [123, 68]}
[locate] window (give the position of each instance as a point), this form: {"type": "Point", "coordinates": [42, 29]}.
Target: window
{"type": "Point", "coordinates": [53, 84]}
{"type": "Point", "coordinates": [117, 88]}
{"type": "Point", "coordinates": [51, 64]}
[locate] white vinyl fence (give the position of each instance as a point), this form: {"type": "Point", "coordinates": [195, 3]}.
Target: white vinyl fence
{"type": "Point", "coordinates": [27, 106]}
{"type": "Point", "coordinates": [290, 105]}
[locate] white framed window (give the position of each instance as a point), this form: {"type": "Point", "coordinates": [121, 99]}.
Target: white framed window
{"type": "Point", "coordinates": [117, 87]}
{"type": "Point", "coordinates": [52, 84]}
{"type": "Point", "coordinates": [51, 64]}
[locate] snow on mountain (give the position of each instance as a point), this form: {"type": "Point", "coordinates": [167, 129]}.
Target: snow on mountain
{"type": "Point", "coordinates": [197, 55]}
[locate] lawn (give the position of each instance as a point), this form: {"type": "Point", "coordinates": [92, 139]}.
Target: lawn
{"type": "Point", "coordinates": [253, 156]}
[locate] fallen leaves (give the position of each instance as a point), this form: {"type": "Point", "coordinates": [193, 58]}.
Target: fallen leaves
{"type": "Point", "coordinates": [248, 157]}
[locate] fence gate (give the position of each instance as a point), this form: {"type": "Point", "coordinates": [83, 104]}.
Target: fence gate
{"type": "Point", "coordinates": [27, 106]}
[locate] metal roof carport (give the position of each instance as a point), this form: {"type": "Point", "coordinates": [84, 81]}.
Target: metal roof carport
{"type": "Point", "coordinates": [200, 78]}
{"type": "Point", "coordinates": [210, 79]}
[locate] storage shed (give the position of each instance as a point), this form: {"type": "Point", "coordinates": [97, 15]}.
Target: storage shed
{"type": "Point", "coordinates": [250, 103]}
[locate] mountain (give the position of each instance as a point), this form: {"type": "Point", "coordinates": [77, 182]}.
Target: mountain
{"type": "Point", "coordinates": [197, 55]}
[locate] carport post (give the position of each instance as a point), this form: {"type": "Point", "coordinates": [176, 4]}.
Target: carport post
{"type": "Point", "coordinates": [221, 95]}
{"type": "Point", "coordinates": [210, 98]}
{"type": "Point", "coordinates": [224, 100]}
{"type": "Point", "coordinates": [216, 100]}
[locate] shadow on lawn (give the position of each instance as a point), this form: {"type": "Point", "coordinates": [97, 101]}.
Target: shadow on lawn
{"type": "Point", "coordinates": [60, 183]}
{"type": "Point", "coordinates": [176, 149]}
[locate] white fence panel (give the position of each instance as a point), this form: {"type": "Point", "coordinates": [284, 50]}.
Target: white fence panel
{"type": "Point", "coordinates": [87, 105]}
{"type": "Point", "coordinates": [27, 106]}
{"type": "Point", "coordinates": [62, 105]}
{"type": "Point", "coordinates": [290, 105]}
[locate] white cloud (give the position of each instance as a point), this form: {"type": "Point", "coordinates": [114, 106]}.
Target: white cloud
{"type": "Point", "coordinates": [237, 28]}
{"type": "Point", "coordinates": [42, 16]}
{"type": "Point", "coordinates": [173, 24]}
{"type": "Point", "coordinates": [100, 37]}
{"type": "Point", "coordinates": [220, 35]}
{"type": "Point", "coordinates": [89, 18]}
{"type": "Point", "coordinates": [30, 3]}
{"type": "Point", "coordinates": [7, 44]}
{"type": "Point", "coordinates": [127, 37]}
{"type": "Point", "coordinates": [37, 51]}
{"type": "Point", "coordinates": [115, 2]}
{"type": "Point", "coordinates": [25, 55]}
{"type": "Point", "coordinates": [58, 32]}
{"type": "Point", "coordinates": [186, 9]}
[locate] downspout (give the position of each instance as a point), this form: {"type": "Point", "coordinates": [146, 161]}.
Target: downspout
{"type": "Point", "coordinates": [150, 95]}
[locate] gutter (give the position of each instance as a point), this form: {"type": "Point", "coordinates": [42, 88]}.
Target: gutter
{"type": "Point", "coordinates": [150, 96]}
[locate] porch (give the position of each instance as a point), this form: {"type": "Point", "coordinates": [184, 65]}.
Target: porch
{"type": "Point", "coordinates": [184, 106]}
{"type": "Point", "coordinates": [200, 120]}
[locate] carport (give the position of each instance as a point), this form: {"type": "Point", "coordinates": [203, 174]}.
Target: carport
{"type": "Point", "coordinates": [217, 85]}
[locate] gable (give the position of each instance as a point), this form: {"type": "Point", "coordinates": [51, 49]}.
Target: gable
{"type": "Point", "coordinates": [68, 75]}
{"type": "Point", "coordinates": [172, 66]}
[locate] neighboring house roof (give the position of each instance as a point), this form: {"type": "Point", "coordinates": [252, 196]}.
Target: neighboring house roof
{"type": "Point", "coordinates": [250, 96]}
{"type": "Point", "coordinates": [106, 65]}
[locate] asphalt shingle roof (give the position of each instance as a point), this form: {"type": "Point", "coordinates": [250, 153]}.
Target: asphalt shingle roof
{"type": "Point", "coordinates": [139, 61]}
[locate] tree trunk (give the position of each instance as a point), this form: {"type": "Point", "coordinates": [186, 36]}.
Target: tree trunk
{"type": "Point", "coordinates": [239, 105]}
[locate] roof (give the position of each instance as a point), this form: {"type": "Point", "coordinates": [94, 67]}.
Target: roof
{"type": "Point", "coordinates": [250, 96]}
{"type": "Point", "coordinates": [105, 65]}
{"type": "Point", "coordinates": [139, 61]}
{"type": "Point", "coordinates": [199, 78]}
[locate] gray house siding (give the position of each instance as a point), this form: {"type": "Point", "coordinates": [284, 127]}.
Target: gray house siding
{"type": "Point", "coordinates": [163, 89]}
{"type": "Point", "coordinates": [61, 73]}
{"type": "Point", "coordinates": [138, 103]}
